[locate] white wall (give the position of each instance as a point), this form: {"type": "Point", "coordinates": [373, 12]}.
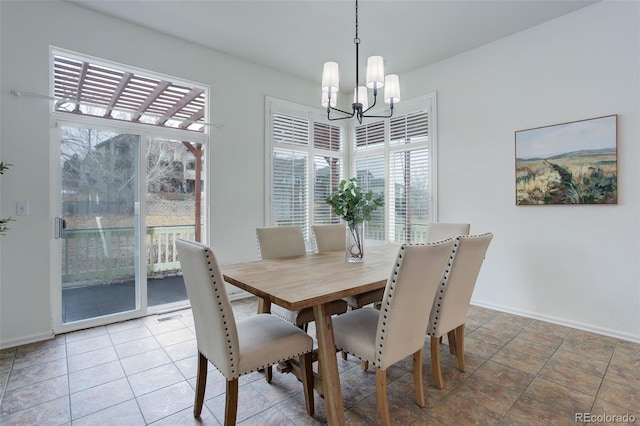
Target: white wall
{"type": "Point", "coordinates": [577, 265]}
{"type": "Point", "coordinates": [238, 91]}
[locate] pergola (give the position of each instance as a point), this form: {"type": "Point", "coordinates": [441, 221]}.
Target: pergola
{"type": "Point", "coordinates": [86, 88]}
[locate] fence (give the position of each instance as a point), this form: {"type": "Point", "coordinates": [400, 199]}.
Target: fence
{"type": "Point", "coordinates": [107, 255]}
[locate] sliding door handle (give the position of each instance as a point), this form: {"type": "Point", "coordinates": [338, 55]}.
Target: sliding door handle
{"type": "Point", "coordinates": [60, 225]}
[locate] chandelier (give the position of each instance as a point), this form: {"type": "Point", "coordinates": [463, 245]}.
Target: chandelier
{"type": "Point", "coordinates": [375, 80]}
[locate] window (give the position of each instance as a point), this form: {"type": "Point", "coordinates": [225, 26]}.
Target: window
{"type": "Point", "coordinates": [305, 165]}
{"type": "Point", "coordinates": [392, 157]}
{"type": "Point", "coordinates": [400, 167]}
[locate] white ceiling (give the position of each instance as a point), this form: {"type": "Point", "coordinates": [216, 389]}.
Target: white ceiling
{"type": "Point", "coordinates": [298, 36]}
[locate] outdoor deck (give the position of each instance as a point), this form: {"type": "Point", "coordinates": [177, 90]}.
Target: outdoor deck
{"type": "Point", "coordinates": [82, 302]}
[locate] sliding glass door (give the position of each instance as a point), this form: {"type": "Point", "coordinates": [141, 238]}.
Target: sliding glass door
{"type": "Point", "coordinates": [99, 224]}
{"type": "Point", "coordinates": [124, 200]}
{"type": "Point", "coordinates": [174, 209]}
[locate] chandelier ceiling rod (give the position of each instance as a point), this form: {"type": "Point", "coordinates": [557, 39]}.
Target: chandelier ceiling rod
{"type": "Point", "coordinates": [375, 80]}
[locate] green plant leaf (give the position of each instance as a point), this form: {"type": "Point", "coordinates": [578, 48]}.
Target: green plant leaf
{"type": "Point", "coordinates": [352, 204]}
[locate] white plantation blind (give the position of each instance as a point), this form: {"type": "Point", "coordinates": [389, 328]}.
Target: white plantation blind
{"type": "Point", "coordinates": [289, 195]}
{"type": "Point", "coordinates": [327, 137]}
{"type": "Point", "coordinates": [370, 172]}
{"type": "Point", "coordinates": [327, 161]}
{"type": "Point", "coordinates": [394, 157]}
{"type": "Point", "coordinates": [409, 181]}
{"type": "Point", "coordinates": [410, 128]}
{"type": "Point", "coordinates": [306, 165]}
{"type": "Point", "coordinates": [370, 136]}
{"type": "Point", "coordinates": [288, 129]}
{"type": "Point", "coordinates": [409, 188]}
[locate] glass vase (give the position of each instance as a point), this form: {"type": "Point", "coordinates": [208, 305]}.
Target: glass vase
{"type": "Point", "coordinates": [355, 242]}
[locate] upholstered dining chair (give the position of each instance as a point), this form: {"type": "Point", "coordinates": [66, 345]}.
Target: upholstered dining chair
{"type": "Point", "coordinates": [235, 347]}
{"type": "Point", "coordinates": [450, 306]}
{"type": "Point", "coordinates": [287, 241]}
{"type": "Point", "coordinates": [331, 237]}
{"type": "Point", "coordinates": [334, 237]}
{"type": "Point", "coordinates": [386, 336]}
{"type": "Point", "coordinates": [441, 230]}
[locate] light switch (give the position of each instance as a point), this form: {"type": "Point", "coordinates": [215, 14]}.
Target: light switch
{"type": "Point", "coordinates": [22, 208]}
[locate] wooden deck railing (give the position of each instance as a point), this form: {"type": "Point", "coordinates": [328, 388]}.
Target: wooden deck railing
{"type": "Point", "coordinates": [108, 254]}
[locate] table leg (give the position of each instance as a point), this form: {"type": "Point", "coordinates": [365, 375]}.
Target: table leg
{"type": "Point", "coordinates": [264, 307]}
{"type": "Point", "coordinates": [328, 365]}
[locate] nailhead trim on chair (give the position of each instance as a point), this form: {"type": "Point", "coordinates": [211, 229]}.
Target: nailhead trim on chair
{"type": "Point", "coordinates": [226, 329]}
{"type": "Point", "coordinates": [233, 364]}
{"type": "Point", "coordinates": [216, 288]}
{"type": "Point", "coordinates": [445, 278]}
{"type": "Point", "coordinates": [262, 367]}
{"type": "Point", "coordinates": [258, 244]}
{"type": "Point", "coordinates": [399, 260]}
{"type": "Point", "coordinates": [378, 360]}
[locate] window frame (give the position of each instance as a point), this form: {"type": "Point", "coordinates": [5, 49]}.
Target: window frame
{"type": "Point", "coordinates": [146, 132]}
{"type": "Point", "coordinates": [426, 103]}
{"type": "Point", "coordinates": [312, 115]}
{"type": "Point", "coordinates": [349, 154]}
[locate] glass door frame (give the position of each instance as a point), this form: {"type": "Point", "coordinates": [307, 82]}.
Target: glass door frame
{"type": "Point", "coordinates": [145, 133]}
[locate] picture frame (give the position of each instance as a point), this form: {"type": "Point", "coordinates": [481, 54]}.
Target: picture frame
{"type": "Point", "coordinates": [568, 163]}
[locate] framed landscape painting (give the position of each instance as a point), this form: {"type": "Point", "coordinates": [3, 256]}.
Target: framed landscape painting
{"type": "Point", "coordinates": [569, 163]}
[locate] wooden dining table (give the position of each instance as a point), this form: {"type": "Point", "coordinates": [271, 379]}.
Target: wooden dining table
{"type": "Point", "coordinates": [313, 281]}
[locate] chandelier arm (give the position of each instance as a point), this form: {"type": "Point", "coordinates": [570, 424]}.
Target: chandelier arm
{"type": "Point", "coordinates": [381, 116]}
{"type": "Point", "coordinates": [375, 96]}
{"type": "Point", "coordinates": [357, 105]}
{"type": "Point", "coordinates": [350, 114]}
{"type": "Point", "coordinates": [347, 114]}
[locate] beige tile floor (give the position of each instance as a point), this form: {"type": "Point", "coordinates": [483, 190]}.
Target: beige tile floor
{"type": "Point", "coordinates": [519, 372]}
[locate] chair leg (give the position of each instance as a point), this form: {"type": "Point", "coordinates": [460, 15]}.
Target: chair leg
{"type": "Point", "coordinates": [201, 384]}
{"type": "Point", "coordinates": [459, 332]}
{"type": "Point", "coordinates": [417, 378]}
{"type": "Point", "coordinates": [231, 403]}
{"type": "Point", "coordinates": [364, 365]}
{"type": "Point", "coordinates": [344, 355]}
{"type": "Point", "coordinates": [452, 342]}
{"type": "Point", "coordinates": [383, 401]}
{"type": "Point", "coordinates": [435, 362]}
{"type": "Point", "coordinates": [268, 373]}
{"type": "Point", "coordinates": [306, 364]}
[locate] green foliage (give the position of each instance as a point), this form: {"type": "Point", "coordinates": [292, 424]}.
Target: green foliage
{"type": "Point", "coordinates": [4, 166]}
{"type": "Point", "coordinates": [352, 204]}
{"type": "Point", "coordinates": [3, 224]}
{"type": "Point", "coordinates": [4, 220]}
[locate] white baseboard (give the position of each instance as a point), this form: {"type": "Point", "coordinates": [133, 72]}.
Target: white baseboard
{"type": "Point", "coordinates": [24, 340]}
{"type": "Point", "coordinates": [560, 321]}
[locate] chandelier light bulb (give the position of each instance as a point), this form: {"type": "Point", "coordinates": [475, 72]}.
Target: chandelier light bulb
{"type": "Point", "coordinates": [392, 89]}
{"type": "Point", "coordinates": [360, 95]}
{"type": "Point", "coordinates": [375, 72]}
{"type": "Point", "coordinates": [330, 77]}
{"type": "Point", "coordinates": [375, 80]}
{"type": "Point", "coordinates": [325, 99]}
